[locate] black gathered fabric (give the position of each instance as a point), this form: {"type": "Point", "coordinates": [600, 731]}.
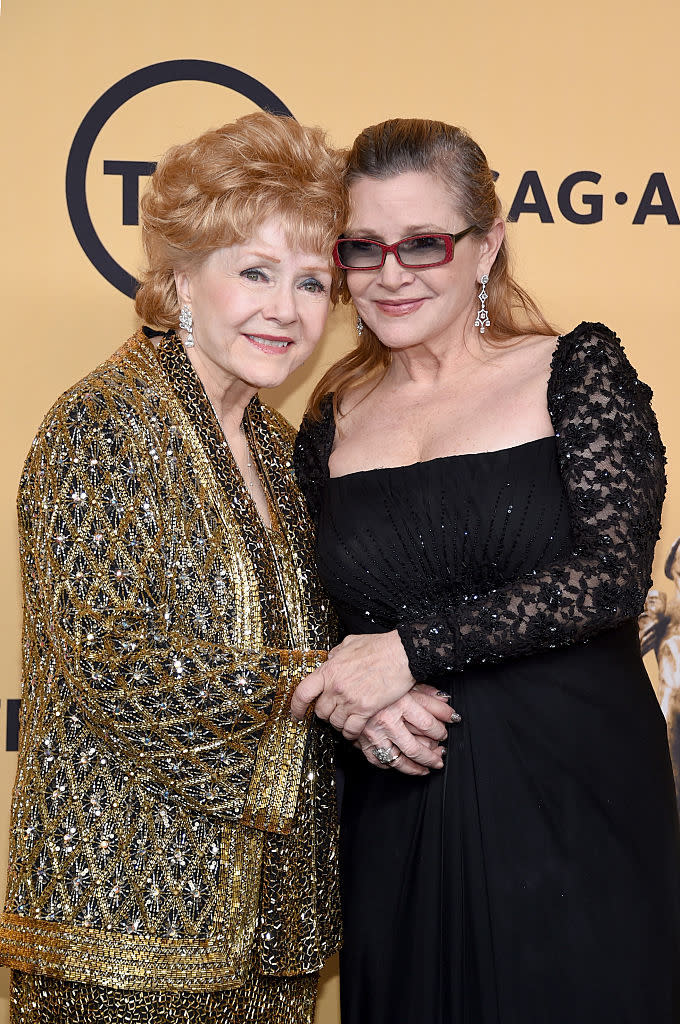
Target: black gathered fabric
{"type": "Point", "coordinates": [537, 877]}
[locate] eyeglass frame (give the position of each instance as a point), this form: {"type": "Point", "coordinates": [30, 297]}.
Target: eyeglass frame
{"type": "Point", "coordinates": [449, 242]}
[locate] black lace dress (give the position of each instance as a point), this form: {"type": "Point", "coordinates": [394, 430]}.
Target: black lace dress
{"type": "Point", "coordinates": [535, 880]}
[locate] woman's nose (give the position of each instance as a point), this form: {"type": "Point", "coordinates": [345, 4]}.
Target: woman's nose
{"type": "Point", "coordinates": [281, 305]}
{"type": "Point", "coordinates": [392, 274]}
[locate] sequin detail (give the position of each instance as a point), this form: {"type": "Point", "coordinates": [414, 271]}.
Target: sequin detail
{"type": "Point", "coordinates": [36, 999]}
{"type": "Point", "coordinates": [165, 628]}
{"type": "Point", "coordinates": [611, 462]}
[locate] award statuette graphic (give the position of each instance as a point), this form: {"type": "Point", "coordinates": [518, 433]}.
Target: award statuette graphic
{"type": "Point", "coordinates": [660, 632]}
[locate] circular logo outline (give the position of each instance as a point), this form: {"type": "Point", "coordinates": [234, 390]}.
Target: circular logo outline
{"type": "Point", "coordinates": [105, 107]}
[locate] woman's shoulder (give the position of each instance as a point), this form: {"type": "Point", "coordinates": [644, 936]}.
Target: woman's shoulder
{"type": "Point", "coordinates": [588, 342]}
{"type": "Point", "coordinates": [591, 358]}
{"type": "Point", "coordinates": [318, 422]}
{"type": "Point", "coordinates": [109, 394]}
{"type": "Point", "coordinates": [313, 445]}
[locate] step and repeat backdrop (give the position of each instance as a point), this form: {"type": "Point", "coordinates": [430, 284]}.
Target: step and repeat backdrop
{"type": "Point", "coordinates": [576, 106]}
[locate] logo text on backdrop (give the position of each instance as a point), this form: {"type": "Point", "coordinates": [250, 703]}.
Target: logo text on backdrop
{"type": "Point", "coordinates": [98, 115]}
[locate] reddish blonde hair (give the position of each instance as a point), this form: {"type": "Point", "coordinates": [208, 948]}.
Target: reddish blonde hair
{"type": "Point", "coordinates": [412, 144]}
{"type": "Point", "coordinates": [215, 190]}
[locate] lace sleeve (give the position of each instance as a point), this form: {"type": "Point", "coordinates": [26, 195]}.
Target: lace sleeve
{"type": "Point", "coordinates": [612, 465]}
{"type": "Point", "coordinates": [312, 452]}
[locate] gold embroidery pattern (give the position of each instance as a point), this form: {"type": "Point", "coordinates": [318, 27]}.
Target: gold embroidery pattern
{"type": "Point", "coordinates": [170, 821]}
{"type": "Point", "coordinates": [263, 1000]}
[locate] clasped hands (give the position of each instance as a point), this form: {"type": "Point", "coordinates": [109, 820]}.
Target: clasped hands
{"type": "Point", "coordinates": [366, 691]}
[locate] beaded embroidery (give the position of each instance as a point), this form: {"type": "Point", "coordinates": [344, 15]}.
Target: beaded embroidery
{"type": "Point", "coordinates": [170, 822]}
{"type": "Point", "coordinates": [612, 466]}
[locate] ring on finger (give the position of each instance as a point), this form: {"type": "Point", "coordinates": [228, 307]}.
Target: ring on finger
{"type": "Point", "coordinates": [387, 755]}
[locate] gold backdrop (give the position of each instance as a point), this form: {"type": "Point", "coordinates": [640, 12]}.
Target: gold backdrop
{"type": "Point", "coordinates": [576, 106]}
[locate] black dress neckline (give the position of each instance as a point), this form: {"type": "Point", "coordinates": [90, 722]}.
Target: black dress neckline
{"type": "Point", "coordinates": [445, 458]}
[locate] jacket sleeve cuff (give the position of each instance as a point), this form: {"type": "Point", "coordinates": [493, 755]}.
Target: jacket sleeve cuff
{"type": "Point", "coordinates": [273, 792]}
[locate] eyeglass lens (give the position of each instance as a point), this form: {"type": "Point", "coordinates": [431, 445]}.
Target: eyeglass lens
{"type": "Point", "coordinates": [360, 254]}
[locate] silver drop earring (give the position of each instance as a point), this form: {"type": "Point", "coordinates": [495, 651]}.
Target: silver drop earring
{"type": "Point", "coordinates": [186, 322]}
{"type": "Point", "coordinates": [482, 320]}
{"type": "Point", "coordinates": [360, 326]}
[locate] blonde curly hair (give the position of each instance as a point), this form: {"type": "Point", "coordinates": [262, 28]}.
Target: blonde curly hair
{"type": "Point", "coordinates": [215, 190]}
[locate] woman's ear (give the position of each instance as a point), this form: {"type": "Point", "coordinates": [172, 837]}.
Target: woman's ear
{"type": "Point", "coordinates": [183, 287]}
{"type": "Point", "coordinates": [489, 247]}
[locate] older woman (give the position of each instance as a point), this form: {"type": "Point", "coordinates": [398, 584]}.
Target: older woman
{"type": "Point", "coordinates": [172, 843]}
{"type": "Point", "coordinates": [488, 499]}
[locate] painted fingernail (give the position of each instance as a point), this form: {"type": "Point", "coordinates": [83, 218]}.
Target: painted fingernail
{"type": "Point", "coordinates": [455, 717]}
{"type": "Point", "coordinates": [443, 695]}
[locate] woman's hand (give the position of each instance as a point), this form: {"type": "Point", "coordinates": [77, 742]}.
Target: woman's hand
{"type": "Point", "coordinates": [414, 726]}
{"type": "Point", "coordinates": [363, 675]}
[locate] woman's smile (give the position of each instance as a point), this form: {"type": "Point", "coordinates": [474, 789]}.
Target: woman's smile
{"type": "Point", "coordinates": [399, 307]}
{"type": "Point", "coordinates": [270, 343]}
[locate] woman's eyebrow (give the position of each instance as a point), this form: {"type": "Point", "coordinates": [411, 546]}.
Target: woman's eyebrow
{"type": "Point", "coordinates": [410, 229]}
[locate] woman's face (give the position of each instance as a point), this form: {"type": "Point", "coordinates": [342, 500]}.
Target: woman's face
{"type": "Point", "coordinates": [259, 308]}
{"type": "Point", "coordinates": [407, 307]}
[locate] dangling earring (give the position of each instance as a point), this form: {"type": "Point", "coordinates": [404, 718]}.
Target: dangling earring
{"type": "Point", "coordinates": [186, 322]}
{"type": "Point", "coordinates": [360, 326]}
{"type": "Point", "coordinates": [482, 320]}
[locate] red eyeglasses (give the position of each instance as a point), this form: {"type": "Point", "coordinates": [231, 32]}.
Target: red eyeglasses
{"type": "Point", "coordinates": [415, 252]}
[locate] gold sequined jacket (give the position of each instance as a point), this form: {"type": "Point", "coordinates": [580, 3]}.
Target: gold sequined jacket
{"type": "Point", "coordinates": [171, 824]}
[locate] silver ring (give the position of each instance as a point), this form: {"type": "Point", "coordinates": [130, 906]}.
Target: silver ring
{"type": "Point", "coordinates": [385, 755]}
